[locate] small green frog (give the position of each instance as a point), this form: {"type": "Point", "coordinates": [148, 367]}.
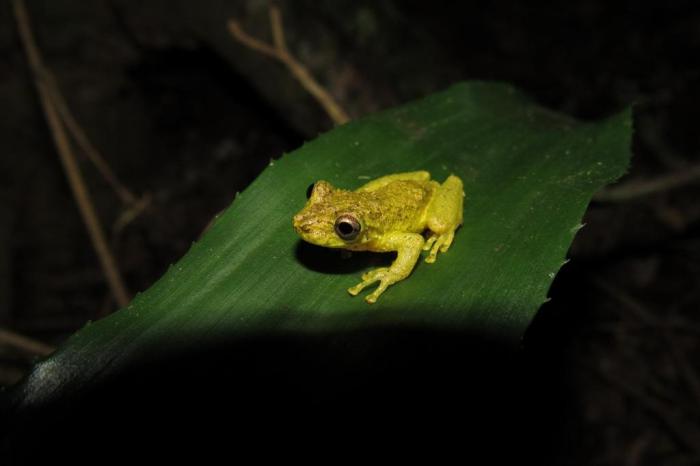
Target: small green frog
{"type": "Point", "coordinates": [386, 214]}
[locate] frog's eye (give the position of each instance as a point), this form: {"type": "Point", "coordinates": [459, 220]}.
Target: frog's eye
{"type": "Point", "coordinates": [347, 227]}
{"type": "Point", "coordinates": [310, 190]}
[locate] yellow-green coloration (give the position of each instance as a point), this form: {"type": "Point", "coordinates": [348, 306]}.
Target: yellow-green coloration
{"type": "Point", "coordinates": [388, 214]}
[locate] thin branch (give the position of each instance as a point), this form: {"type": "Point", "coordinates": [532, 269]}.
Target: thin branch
{"type": "Point", "coordinates": [128, 215]}
{"type": "Point", "coordinates": [70, 166]}
{"type": "Point", "coordinates": [663, 412]}
{"type": "Point", "coordinates": [686, 369]}
{"type": "Point", "coordinates": [641, 312]}
{"type": "Point", "coordinates": [250, 41]}
{"type": "Point", "coordinates": [24, 343]}
{"type": "Point", "coordinates": [278, 30]}
{"type": "Point", "coordinates": [636, 189]}
{"type": "Point", "coordinates": [279, 52]}
{"type": "Point", "coordinates": [76, 130]}
{"type": "Point", "coordinates": [126, 196]}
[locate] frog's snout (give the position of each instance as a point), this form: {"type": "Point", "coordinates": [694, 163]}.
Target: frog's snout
{"type": "Point", "coordinates": [298, 224]}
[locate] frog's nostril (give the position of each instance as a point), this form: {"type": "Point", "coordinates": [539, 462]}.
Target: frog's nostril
{"type": "Point", "coordinates": [299, 224]}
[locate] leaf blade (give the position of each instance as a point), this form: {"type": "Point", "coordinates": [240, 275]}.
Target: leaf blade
{"type": "Point", "coordinates": [529, 175]}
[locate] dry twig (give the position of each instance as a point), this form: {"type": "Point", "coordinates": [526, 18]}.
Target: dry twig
{"type": "Point", "coordinates": [24, 343]}
{"type": "Point", "coordinates": [65, 152]}
{"type": "Point", "coordinates": [686, 370]}
{"type": "Point", "coordinates": [71, 124]}
{"type": "Point", "coordinates": [663, 412]}
{"type": "Point", "coordinates": [280, 52]}
{"type": "Point", "coordinates": [134, 205]}
{"type": "Point", "coordinates": [636, 189]}
{"type": "Point", "coordinates": [127, 216]}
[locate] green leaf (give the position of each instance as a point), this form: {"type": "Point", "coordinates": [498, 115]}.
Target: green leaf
{"type": "Point", "coordinates": [528, 173]}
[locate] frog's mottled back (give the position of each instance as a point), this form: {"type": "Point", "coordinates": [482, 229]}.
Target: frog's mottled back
{"type": "Point", "coordinates": [399, 206]}
{"type": "Point", "coordinates": [386, 214]}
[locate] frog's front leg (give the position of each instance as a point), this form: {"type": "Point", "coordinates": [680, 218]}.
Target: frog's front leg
{"type": "Point", "coordinates": [408, 247]}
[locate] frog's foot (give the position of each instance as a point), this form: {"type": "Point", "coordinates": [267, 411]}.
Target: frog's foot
{"type": "Point", "coordinates": [438, 243]}
{"type": "Point", "coordinates": [378, 273]}
{"type": "Point", "coordinates": [381, 275]}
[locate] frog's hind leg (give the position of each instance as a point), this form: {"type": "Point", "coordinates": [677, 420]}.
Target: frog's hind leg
{"type": "Point", "coordinates": [444, 216]}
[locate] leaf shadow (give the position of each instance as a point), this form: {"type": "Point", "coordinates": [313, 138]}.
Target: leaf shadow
{"type": "Point", "coordinates": [339, 389]}
{"type": "Point", "coordinates": [338, 261]}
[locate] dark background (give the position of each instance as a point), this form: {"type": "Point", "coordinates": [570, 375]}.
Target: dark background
{"type": "Point", "coordinates": [188, 116]}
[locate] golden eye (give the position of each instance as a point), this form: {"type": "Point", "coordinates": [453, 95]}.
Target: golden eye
{"type": "Point", "coordinates": [347, 227]}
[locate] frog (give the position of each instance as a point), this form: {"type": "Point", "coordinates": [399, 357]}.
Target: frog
{"type": "Point", "coordinates": [405, 213]}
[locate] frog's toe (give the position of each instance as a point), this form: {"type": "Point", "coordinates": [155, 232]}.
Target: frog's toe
{"type": "Point", "coordinates": [441, 243]}
{"type": "Point", "coordinates": [434, 250]}
{"type": "Point", "coordinates": [437, 245]}
{"type": "Point", "coordinates": [372, 297]}
{"type": "Point", "coordinates": [384, 283]}
{"type": "Point", "coordinates": [447, 242]}
{"type": "Point", "coordinates": [369, 278]}
{"type": "Point", "coordinates": [429, 242]}
{"type": "Point", "coordinates": [355, 290]}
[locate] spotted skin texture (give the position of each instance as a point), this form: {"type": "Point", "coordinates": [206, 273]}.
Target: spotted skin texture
{"type": "Point", "coordinates": [403, 212]}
